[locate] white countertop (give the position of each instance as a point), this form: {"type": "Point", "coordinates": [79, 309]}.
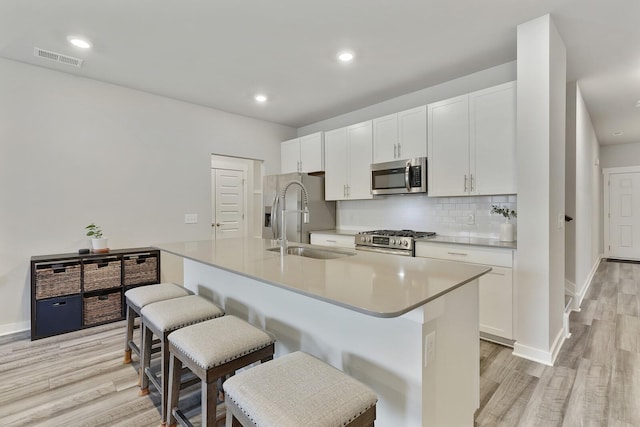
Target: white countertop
{"type": "Point", "coordinates": [473, 241]}
{"type": "Point", "coordinates": [371, 283]}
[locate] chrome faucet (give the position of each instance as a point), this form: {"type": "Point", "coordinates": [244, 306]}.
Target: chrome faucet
{"type": "Point", "coordinates": [305, 212]}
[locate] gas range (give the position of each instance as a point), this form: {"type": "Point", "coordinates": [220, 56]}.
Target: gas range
{"type": "Point", "coordinates": [397, 242]}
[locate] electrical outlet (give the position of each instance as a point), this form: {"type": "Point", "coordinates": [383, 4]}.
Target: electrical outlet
{"type": "Point", "coordinates": [429, 348]}
{"type": "Point", "coordinates": [190, 218]}
{"type": "Point", "coordinates": [471, 219]}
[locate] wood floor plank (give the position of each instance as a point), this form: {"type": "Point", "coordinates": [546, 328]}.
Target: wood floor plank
{"type": "Point", "coordinates": [600, 348]}
{"type": "Point", "coordinates": [574, 347]}
{"type": "Point", "coordinates": [625, 388]}
{"type": "Point", "coordinates": [550, 398]}
{"type": "Point", "coordinates": [585, 315]}
{"type": "Point", "coordinates": [589, 401]}
{"type": "Point", "coordinates": [628, 333]}
{"type": "Point", "coordinates": [509, 401]}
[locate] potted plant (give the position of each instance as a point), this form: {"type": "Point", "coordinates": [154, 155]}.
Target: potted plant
{"type": "Point", "coordinates": [98, 243]}
{"type": "Point", "coordinates": [506, 229]}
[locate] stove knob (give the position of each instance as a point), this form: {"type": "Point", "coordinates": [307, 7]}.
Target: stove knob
{"type": "Point", "coordinates": [393, 241]}
{"type": "Point", "coordinates": [406, 243]}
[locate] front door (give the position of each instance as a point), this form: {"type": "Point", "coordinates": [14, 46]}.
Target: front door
{"type": "Point", "coordinates": [228, 200]}
{"type": "Point", "coordinates": [624, 215]}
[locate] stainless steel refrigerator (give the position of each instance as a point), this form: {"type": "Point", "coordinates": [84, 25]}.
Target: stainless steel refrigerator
{"type": "Point", "coordinates": [322, 214]}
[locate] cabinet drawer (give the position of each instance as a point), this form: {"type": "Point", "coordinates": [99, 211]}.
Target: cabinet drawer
{"type": "Point", "coordinates": [337, 240]}
{"type": "Point", "coordinates": [472, 254]}
{"type": "Point", "coordinates": [103, 273]}
{"type": "Point", "coordinates": [102, 308]}
{"type": "Point", "coordinates": [58, 315]}
{"type": "Point", "coordinates": [140, 269]}
{"type": "Point", "coordinates": [57, 279]}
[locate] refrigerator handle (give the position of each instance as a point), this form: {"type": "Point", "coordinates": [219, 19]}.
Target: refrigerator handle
{"type": "Point", "coordinates": [274, 215]}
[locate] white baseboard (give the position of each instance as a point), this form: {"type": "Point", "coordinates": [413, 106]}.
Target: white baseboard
{"type": "Point", "coordinates": [12, 328]}
{"type": "Point", "coordinates": [541, 356]}
{"type": "Point", "coordinates": [577, 302]}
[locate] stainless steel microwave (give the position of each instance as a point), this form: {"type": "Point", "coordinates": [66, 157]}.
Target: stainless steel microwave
{"type": "Point", "coordinates": [399, 177]}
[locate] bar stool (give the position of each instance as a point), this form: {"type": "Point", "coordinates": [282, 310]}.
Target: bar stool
{"type": "Point", "coordinates": [136, 299]}
{"type": "Point", "coordinates": [298, 390]}
{"type": "Point", "coordinates": [212, 350]}
{"type": "Point", "coordinates": [160, 319]}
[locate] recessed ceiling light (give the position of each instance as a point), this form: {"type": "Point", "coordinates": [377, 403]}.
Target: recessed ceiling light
{"type": "Point", "coordinates": [260, 98]}
{"type": "Point", "coordinates": [345, 56]}
{"type": "Point", "coordinates": [617, 133]}
{"type": "Point", "coordinates": [79, 42]}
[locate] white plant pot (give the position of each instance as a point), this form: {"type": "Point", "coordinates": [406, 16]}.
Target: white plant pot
{"type": "Point", "coordinates": [99, 244]}
{"type": "Point", "coordinates": [506, 232]}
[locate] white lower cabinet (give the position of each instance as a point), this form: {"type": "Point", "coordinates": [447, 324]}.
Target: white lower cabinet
{"type": "Point", "coordinates": [496, 287]}
{"type": "Point", "coordinates": [337, 240]}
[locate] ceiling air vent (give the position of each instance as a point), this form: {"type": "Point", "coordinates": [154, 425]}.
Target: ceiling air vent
{"type": "Point", "coordinates": [57, 57]}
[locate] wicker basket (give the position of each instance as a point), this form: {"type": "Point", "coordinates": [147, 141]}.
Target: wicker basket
{"type": "Point", "coordinates": [102, 274]}
{"type": "Point", "coordinates": [53, 280]}
{"type": "Point", "coordinates": [141, 269]}
{"type": "Point", "coordinates": [102, 308]}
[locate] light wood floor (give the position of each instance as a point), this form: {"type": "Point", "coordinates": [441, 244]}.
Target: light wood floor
{"type": "Point", "coordinates": [78, 379]}
{"type": "Point", "coordinates": [596, 378]}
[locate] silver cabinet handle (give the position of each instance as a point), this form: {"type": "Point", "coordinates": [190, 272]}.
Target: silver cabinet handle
{"type": "Point", "coordinates": [457, 253]}
{"type": "Point", "coordinates": [465, 183]}
{"type": "Point", "coordinates": [496, 274]}
{"type": "Point", "coordinates": [332, 241]}
{"type": "Point", "coordinates": [399, 150]}
{"type": "Point", "coordinates": [395, 155]}
{"type": "Point", "coordinates": [472, 186]}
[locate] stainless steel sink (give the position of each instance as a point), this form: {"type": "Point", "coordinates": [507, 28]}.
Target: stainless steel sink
{"type": "Point", "coordinates": [313, 252]}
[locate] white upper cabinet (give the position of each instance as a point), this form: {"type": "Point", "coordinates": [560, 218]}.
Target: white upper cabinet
{"type": "Point", "coordinates": [400, 136]}
{"type": "Point", "coordinates": [290, 156]}
{"type": "Point", "coordinates": [348, 155]}
{"type": "Point", "coordinates": [492, 139]}
{"type": "Point", "coordinates": [448, 147]}
{"type": "Point", "coordinates": [472, 142]}
{"type": "Point", "coordinates": [304, 154]}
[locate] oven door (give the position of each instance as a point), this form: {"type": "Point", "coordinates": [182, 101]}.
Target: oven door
{"type": "Point", "coordinates": [402, 252]}
{"type": "Point", "coordinates": [399, 177]}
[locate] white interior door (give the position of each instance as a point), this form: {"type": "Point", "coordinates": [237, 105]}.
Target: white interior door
{"type": "Point", "coordinates": [624, 215]}
{"type": "Point", "coordinates": [228, 209]}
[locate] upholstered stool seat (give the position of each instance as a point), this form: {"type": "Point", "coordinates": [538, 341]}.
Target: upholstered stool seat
{"type": "Point", "coordinates": [298, 390]}
{"type": "Point", "coordinates": [212, 350]}
{"type": "Point", "coordinates": [160, 319]}
{"type": "Point", "coordinates": [139, 297]}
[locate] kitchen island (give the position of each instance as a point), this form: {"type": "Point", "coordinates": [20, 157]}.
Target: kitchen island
{"type": "Point", "coordinates": [407, 327]}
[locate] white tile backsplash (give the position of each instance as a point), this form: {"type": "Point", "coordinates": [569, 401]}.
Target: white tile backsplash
{"type": "Point", "coordinates": [444, 215]}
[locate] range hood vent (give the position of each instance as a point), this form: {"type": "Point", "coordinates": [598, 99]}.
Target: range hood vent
{"type": "Point", "coordinates": [57, 57]}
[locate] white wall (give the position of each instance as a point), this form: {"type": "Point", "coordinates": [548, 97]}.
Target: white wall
{"type": "Point", "coordinates": [620, 155]}
{"type": "Point", "coordinates": [541, 167]}
{"type": "Point", "coordinates": [74, 150]}
{"type": "Point", "coordinates": [588, 214]}
{"type": "Point", "coordinates": [470, 83]}
{"type": "Point", "coordinates": [570, 190]}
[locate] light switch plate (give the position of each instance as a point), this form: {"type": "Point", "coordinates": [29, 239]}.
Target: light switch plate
{"type": "Point", "coordinates": [190, 218]}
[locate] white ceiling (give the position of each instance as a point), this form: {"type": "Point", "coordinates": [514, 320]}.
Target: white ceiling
{"type": "Point", "coordinates": [219, 53]}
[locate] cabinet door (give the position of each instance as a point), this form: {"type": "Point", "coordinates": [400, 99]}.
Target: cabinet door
{"type": "Point", "coordinates": [448, 147]}
{"type": "Point", "coordinates": [312, 153]}
{"type": "Point", "coordinates": [496, 302]}
{"type": "Point", "coordinates": [385, 138]}
{"type": "Point", "coordinates": [360, 157]}
{"type": "Point", "coordinates": [336, 164]}
{"type": "Point", "coordinates": [493, 140]}
{"type": "Point", "coordinates": [289, 155]}
{"type": "Point", "coordinates": [412, 133]}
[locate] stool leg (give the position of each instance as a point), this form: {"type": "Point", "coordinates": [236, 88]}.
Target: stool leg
{"type": "Point", "coordinates": [175, 366]}
{"type": "Point", "coordinates": [165, 377]}
{"type": "Point", "coordinates": [127, 350]}
{"type": "Point", "coordinates": [145, 360]}
{"type": "Point", "coordinates": [209, 398]}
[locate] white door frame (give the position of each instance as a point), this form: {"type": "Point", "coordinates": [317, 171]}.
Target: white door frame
{"type": "Point", "coordinates": [229, 163]}
{"type": "Point", "coordinates": [607, 172]}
